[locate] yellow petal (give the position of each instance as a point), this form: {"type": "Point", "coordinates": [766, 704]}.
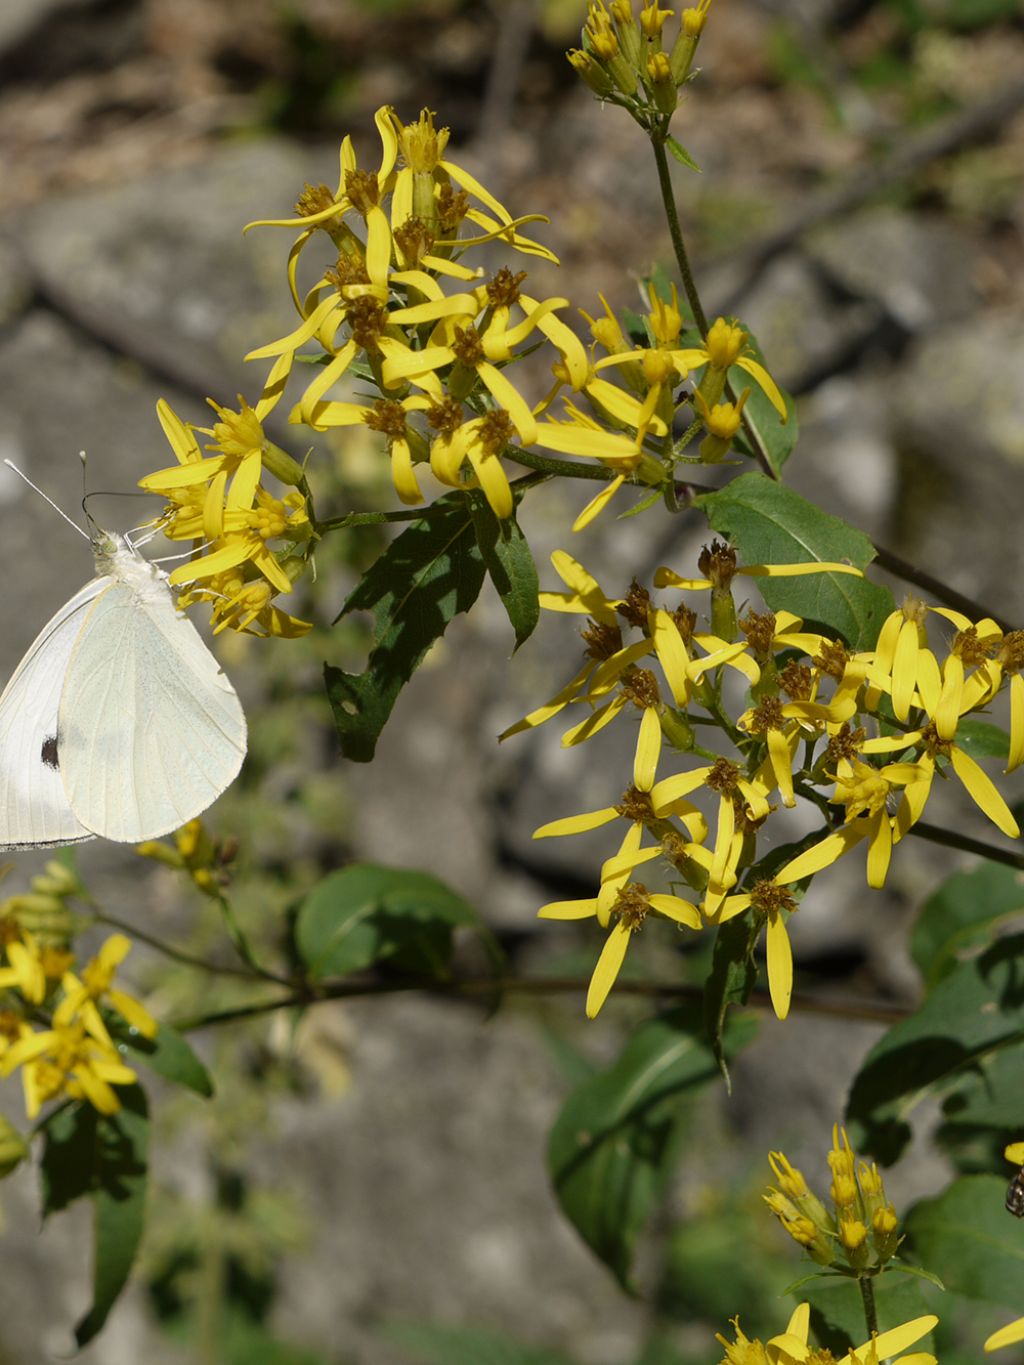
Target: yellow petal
{"type": "Point", "coordinates": [780, 966]}
{"type": "Point", "coordinates": [677, 909]}
{"type": "Point", "coordinates": [982, 791]}
{"type": "Point", "coordinates": [648, 750]}
{"type": "Point", "coordinates": [608, 965]}
{"type": "Point", "coordinates": [1006, 1336]}
{"type": "Point", "coordinates": [576, 824]}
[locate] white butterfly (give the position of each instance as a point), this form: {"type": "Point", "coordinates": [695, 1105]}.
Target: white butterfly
{"type": "Point", "coordinates": [118, 722]}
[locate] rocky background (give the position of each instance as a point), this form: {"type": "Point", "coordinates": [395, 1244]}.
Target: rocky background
{"type": "Point", "coordinates": [861, 208]}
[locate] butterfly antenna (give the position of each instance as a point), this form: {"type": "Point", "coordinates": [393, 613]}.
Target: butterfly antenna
{"type": "Point", "coordinates": [35, 488]}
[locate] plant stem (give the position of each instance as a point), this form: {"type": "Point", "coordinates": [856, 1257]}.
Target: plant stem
{"type": "Point", "coordinates": [488, 987]}
{"type": "Point", "coordinates": [658, 136]}
{"type": "Point", "coordinates": [168, 950]}
{"type": "Point", "coordinates": [950, 838]}
{"type": "Point", "coordinates": [867, 1293]}
{"type": "Point", "coordinates": [675, 230]}
{"type": "Point", "coordinates": [241, 945]}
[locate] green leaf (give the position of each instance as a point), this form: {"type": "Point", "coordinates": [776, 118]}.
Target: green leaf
{"type": "Point", "coordinates": [776, 438]}
{"type": "Point", "coordinates": [510, 564]}
{"type": "Point", "coordinates": [770, 524]}
{"type": "Point", "coordinates": [967, 1238]}
{"type": "Point", "coordinates": [681, 154]}
{"type": "Point", "coordinates": [975, 1010]}
{"type": "Point", "coordinates": [982, 740]}
{"type": "Point", "coordinates": [169, 1056]}
{"type": "Point", "coordinates": [431, 573]}
{"type": "Point", "coordinates": [103, 1156]}
{"type": "Point", "coordinates": [365, 914]}
{"type": "Point", "coordinates": [732, 977]}
{"type": "Point", "coordinates": [439, 1344]}
{"type": "Point", "coordinates": [611, 1146]}
{"type": "Point", "coordinates": [967, 911]}
{"type": "Point", "coordinates": [837, 1310]}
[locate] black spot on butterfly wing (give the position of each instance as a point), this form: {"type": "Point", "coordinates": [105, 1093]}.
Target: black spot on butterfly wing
{"type": "Point", "coordinates": [49, 752]}
{"type": "Point", "coordinates": [1015, 1195]}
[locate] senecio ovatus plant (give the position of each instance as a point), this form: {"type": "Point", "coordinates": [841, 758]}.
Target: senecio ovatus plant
{"type": "Point", "coordinates": [785, 714]}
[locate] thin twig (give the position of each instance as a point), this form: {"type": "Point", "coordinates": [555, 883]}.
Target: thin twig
{"type": "Point", "coordinates": [489, 987]}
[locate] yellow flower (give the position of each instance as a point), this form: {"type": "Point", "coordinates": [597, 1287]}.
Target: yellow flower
{"type": "Point", "coordinates": [67, 1061]}
{"type": "Point", "coordinates": [628, 905]}
{"type": "Point", "coordinates": [83, 995]}
{"type": "Point", "coordinates": [726, 346]}
{"type": "Point", "coordinates": [194, 852]}
{"type": "Point", "coordinates": [25, 971]}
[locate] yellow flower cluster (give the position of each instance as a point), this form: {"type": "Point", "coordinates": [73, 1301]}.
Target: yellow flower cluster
{"type": "Point", "coordinates": [859, 1231]}
{"type": "Point", "coordinates": [805, 727]}
{"type": "Point", "coordinates": [75, 1057]}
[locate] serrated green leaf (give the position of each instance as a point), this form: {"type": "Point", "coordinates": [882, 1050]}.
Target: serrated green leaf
{"type": "Point", "coordinates": [967, 911]}
{"type": "Point", "coordinates": [770, 524]}
{"type": "Point", "coordinates": [611, 1146]}
{"type": "Point", "coordinates": [438, 1344]}
{"type": "Point", "coordinates": [170, 1056]}
{"type": "Point", "coordinates": [431, 573]}
{"type": "Point", "coordinates": [975, 1010]}
{"type": "Point", "coordinates": [776, 438]}
{"type": "Point", "coordinates": [510, 565]}
{"type": "Point", "coordinates": [681, 154]}
{"type": "Point", "coordinates": [981, 739]}
{"type": "Point", "coordinates": [103, 1156]}
{"type": "Point", "coordinates": [366, 914]}
{"type": "Point", "coordinates": [967, 1238]}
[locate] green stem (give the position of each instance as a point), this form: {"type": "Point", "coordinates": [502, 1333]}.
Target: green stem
{"type": "Point", "coordinates": [658, 136]}
{"type": "Point", "coordinates": [168, 950]}
{"type": "Point", "coordinates": [867, 1293]}
{"type": "Point", "coordinates": [675, 230]}
{"type": "Point", "coordinates": [241, 944]}
{"type": "Point", "coordinates": [952, 839]}
{"type": "Point", "coordinates": [369, 519]}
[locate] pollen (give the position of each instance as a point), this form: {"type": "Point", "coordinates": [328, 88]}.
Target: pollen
{"type": "Point", "coordinates": [387, 417]}
{"type": "Point", "coordinates": [601, 641]}
{"type": "Point", "coordinates": [717, 562]}
{"type": "Point", "coordinates": [633, 906]}
{"type": "Point", "coordinates": [641, 686]}
{"type": "Point", "coordinates": [723, 777]}
{"type": "Point", "coordinates": [636, 806]}
{"type": "Point", "coordinates": [363, 190]}
{"type": "Point", "coordinates": [468, 347]}
{"type": "Point", "coordinates": [445, 417]}
{"type": "Point", "coordinates": [767, 715]}
{"type": "Point", "coordinates": [314, 199]}
{"type": "Point", "coordinates": [759, 628]}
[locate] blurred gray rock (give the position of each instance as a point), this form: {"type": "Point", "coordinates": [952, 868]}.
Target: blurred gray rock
{"type": "Point", "coordinates": [157, 268]}
{"type": "Point", "coordinates": [960, 431]}
{"type": "Point", "coordinates": [919, 268]}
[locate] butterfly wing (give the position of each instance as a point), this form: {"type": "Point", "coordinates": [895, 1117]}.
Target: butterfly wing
{"type": "Point", "coordinates": [150, 730]}
{"type": "Point", "coordinates": [34, 808]}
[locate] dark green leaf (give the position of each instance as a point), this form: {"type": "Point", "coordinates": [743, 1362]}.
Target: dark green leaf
{"type": "Point", "coordinates": [837, 1310]}
{"type": "Point", "coordinates": [103, 1156]}
{"type": "Point", "coordinates": [611, 1147]}
{"type": "Point", "coordinates": [428, 575]}
{"type": "Point", "coordinates": [437, 1344]}
{"type": "Point", "coordinates": [169, 1056]}
{"type": "Point", "coordinates": [775, 437]}
{"type": "Point", "coordinates": [770, 524]}
{"type": "Point", "coordinates": [973, 1011]}
{"type": "Point", "coordinates": [510, 565]}
{"type": "Point", "coordinates": [732, 978]}
{"type": "Point", "coordinates": [982, 740]}
{"type": "Point", "coordinates": [365, 913]}
{"type": "Point", "coordinates": [967, 911]}
{"type": "Point", "coordinates": [681, 154]}
{"type": "Point", "coordinates": [967, 1238]}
